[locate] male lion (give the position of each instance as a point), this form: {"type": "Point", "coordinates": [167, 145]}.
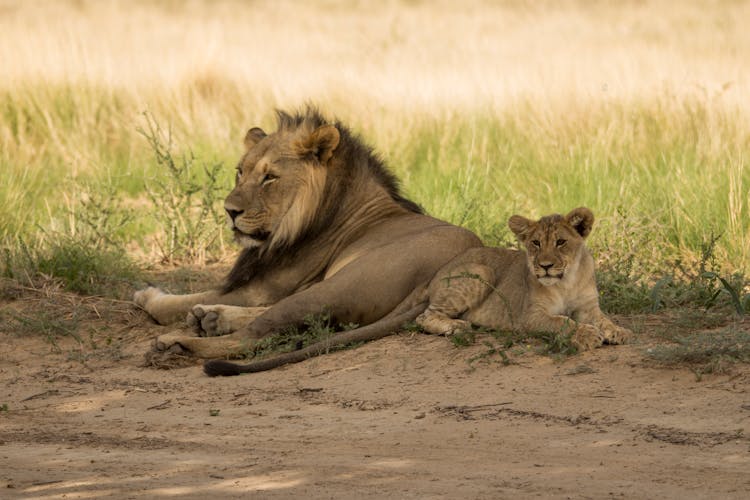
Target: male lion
{"type": "Point", "coordinates": [550, 288]}
{"type": "Point", "coordinates": [324, 229]}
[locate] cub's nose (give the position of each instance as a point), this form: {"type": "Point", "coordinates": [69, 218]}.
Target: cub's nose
{"type": "Point", "coordinates": [233, 214]}
{"type": "Point", "coordinates": [545, 266]}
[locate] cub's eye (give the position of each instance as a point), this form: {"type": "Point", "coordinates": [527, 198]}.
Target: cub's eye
{"type": "Point", "coordinates": [561, 242]}
{"type": "Point", "coordinates": [536, 243]}
{"type": "Point", "coordinates": [267, 178]}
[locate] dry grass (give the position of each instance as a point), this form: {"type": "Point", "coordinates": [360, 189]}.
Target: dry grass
{"type": "Point", "coordinates": [413, 54]}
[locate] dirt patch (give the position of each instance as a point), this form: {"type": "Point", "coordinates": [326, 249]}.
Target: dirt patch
{"type": "Point", "coordinates": [406, 416]}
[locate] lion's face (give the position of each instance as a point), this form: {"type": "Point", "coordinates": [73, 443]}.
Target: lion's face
{"type": "Point", "coordinates": [279, 184]}
{"type": "Point", "coordinates": [553, 243]}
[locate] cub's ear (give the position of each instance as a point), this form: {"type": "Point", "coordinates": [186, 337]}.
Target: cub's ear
{"type": "Point", "coordinates": [321, 143]}
{"type": "Point", "coordinates": [520, 226]}
{"type": "Point", "coordinates": [253, 137]}
{"type": "Point", "coordinates": [582, 219]}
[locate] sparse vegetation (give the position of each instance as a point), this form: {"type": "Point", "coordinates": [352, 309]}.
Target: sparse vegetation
{"type": "Point", "coordinates": [82, 327]}
{"type": "Point", "coordinates": [505, 347]}
{"type": "Point", "coordinates": [316, 328]}
{"type": "Point", "coordinates": [705, 352]}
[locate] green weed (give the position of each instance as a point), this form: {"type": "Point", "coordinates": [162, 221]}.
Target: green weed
{"type": "Point", "coordinates": [463, 338]}
{"type": "Point", "coordinates": [187, 197]}
{"type": "Point", "coordinates": [733, 287]}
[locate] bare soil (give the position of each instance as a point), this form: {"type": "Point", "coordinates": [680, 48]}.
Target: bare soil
{"type": "Point", "coordinates": [404, 417]}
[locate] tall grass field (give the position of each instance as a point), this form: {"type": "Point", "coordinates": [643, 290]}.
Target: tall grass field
{"type": "Point", "coordinates": [121, 121]}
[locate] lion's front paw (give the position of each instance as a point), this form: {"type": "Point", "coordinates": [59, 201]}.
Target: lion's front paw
{"type": "Point", "coordinates": [587, 337]}
{"type": "Point", "coordinates": [171, 342]}
{"type": "Point", "coordinates": [205, 321]}
{"type": "Point", "coordinates": [216, 320]}
{"type": "Point", "coordinates": [144, 297]}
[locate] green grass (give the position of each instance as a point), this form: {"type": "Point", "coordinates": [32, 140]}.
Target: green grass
{"type": "Point", "coordinates": [85, 249]}
{"type": "Point", "coordinates": [664, 177]}
{"type": "Point", "coordinates": [638, 165]}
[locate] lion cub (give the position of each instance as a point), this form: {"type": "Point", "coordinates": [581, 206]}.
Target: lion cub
{"type": "Point", "coordinates": [550, 287]}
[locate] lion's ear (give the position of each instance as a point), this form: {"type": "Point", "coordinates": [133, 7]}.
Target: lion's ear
{"type": "Point", "coordinates": [321, 143]}
{"type": "Point", "coordinates": [253, 137]}
{"type": "Point", "coordinates": [520, 226]}
{"type": "Point", "coordinates": [582, 220]}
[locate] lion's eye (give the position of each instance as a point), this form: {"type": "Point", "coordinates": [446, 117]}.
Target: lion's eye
{"type": "Point", "coordinates": [561, 242]}
{"type": "Point", "coordinates": [536, 243]}
{"type": "Point", "coordinates": [268, 178]}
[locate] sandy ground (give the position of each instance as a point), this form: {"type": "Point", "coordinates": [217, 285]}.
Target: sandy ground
{"type": "Point", "coordinates": [404, 417]}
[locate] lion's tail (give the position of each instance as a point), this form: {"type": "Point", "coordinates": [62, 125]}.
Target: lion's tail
{"type": "Point", "coordinates": [381, 328]}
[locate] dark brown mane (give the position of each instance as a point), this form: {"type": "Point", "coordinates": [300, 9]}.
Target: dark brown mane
{"type": "Point", "coordinates": [351, 154]}
{"type": "Point", "coordinates": [352, 151]}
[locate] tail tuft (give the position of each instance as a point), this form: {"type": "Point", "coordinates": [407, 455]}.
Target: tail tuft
{"type": "Point", "coordinates": [221, 368]}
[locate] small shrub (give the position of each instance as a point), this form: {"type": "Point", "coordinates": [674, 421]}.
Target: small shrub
{"type": "Point", "coordinates": [186, 198]}
{"type": "Point", "coordinates": [620, 292]}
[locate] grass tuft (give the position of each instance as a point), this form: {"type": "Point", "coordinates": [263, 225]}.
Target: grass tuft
{"type": "Point", "coordinates": [705, 352]}
{"type": "Point", "coordinates": [507, 346]}
{"type": "Point", "coordinates": [88, 253]}
{"type": "Point", "coordinates": [315, 328]}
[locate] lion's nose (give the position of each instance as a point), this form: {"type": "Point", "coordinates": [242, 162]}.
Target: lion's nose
{"type": "Point", "coordinates": [233, 213]}
{"type": "Point", "coordinates": [545, 266]}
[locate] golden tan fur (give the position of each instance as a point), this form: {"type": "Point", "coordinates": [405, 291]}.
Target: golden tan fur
{"type": "Point", "coordinates": [324, 229]}
{"type": "Point", "coordinates": [550, 287]}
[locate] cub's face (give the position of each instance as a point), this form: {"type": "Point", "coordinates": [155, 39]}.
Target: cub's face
{"type": "Point", "coordinates": [553, 242]}
{"type": "Point", "coordinates": [278, 185]}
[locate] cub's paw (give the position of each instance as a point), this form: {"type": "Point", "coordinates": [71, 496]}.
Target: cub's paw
{"type": "Point", "coordinates": [587, 337]}
{"type": "Point", "coordinates": [438, 324]}
{"type": "Point", "coordinates": [618, 335]}
{"type": "Point", "coordinates": [456, 326]}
